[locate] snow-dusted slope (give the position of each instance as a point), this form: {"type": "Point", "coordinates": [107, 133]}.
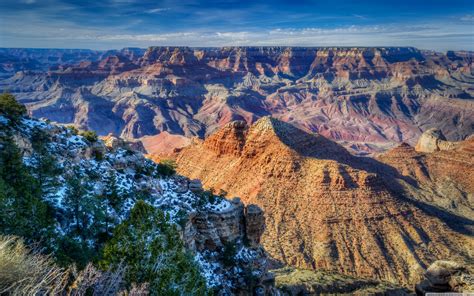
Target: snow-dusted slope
{"type": "Point", "coordinates": [208, 225]}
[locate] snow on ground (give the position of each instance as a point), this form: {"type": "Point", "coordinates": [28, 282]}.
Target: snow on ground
{"type": "Point", "coordinates": [171, 194]}
{"type": "Point", "coordinates": [210, 269]}
{"type": "Point", "coordinates": [3, 120]}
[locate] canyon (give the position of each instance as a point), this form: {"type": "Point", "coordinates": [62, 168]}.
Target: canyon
{"type": "Point", "coordinates": [367, 99]}
{"type": "Point", "coordinates": [347, 161]}
{"type": "Point", "coordinates": [329, 210]}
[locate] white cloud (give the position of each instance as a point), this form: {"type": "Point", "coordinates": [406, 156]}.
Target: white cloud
{"type": "Point", "coordinates": [157, 10]}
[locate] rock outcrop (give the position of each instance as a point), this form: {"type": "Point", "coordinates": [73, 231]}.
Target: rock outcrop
{"type": "Point", "coordinates": [324, 208]}
{"type": "Point", "coordinates": [368, 99]}
{"type": "Point", "coordinates": [446, 276]}
{"type": "Point", "coordinates": [223, 236]}
{"type": "Point", "coordinates": [433, 140]}
{"type": "Point", "coordinates": [439, 176]}
{"type": "Point", "coordinates": [113, 142]}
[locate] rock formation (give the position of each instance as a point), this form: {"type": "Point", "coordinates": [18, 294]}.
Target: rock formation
{"type": "Point", "coordinates": [446, 276]}
{"type": "Point", "coordinates": [223, 236]}
{"type": "Point", "coordinates": [324, 208]}
{"type": "Point", "coordinates": [433, 140]}
{"type": "Point", "coordinates": [368, 99]}
{"type": "Point", "coordinates": [442, 175]}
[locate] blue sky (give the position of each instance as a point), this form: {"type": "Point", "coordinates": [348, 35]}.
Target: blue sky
{"type": "Point", "coordinates": [106, 24]}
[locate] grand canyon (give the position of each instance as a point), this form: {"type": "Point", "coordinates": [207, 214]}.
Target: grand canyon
{"type": "Point", "coordinates": [329, 169]}
{"type": "Point", "coordinates": [367, 99]}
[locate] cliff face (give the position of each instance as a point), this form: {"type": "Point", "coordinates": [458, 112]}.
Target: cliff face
{"type": "Point", "coordinates": [437, 171]}
{"type": "Point", "coordinates": [323, 211]}
{"type": "Point", "coordinates": [223, 236]}
{"type": "Point", "coordinates": [365, 98]}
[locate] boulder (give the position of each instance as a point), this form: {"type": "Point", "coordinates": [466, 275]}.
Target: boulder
{"type": "Point", "coordinates": [254, 224]}
{"type": "Point", "coordinates": [195, 185]}
{"type": "Point", "coordinates": [445, 276]}
{"type": "Point", "coordinates": [433, 140]}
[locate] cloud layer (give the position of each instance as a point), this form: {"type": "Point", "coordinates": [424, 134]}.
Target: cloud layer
{"type": "Point", "coordinates": [123, 23]}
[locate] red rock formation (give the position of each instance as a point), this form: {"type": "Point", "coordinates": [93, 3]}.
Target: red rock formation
{"type": "Point", "coordinates": [444, 178]}
{"type": "Point", "coordinates": [322, 212]}
{"type": "Point", "coordinates": [376, 96]}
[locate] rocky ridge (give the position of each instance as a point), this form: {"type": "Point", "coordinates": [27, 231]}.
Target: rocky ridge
{"type": "Point", "coordinates": [325, 209]}
{"type": "Point", "coordinates": [207, 226]}
{"type": "Point", "coordinates": [369, 99]}
{"type": "Point", "coordinates": [437, 171]}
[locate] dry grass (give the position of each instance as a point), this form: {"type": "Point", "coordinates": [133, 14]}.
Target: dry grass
{"type": "Point", "coordinates": [26, 272]}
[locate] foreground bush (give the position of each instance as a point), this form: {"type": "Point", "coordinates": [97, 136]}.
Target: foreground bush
{"type": "Point", "coordinates": [154, 253]}
{"type": "Point", "coordinates": [10, 108]}
{"type": "Point", "coordinates": [26, 272]}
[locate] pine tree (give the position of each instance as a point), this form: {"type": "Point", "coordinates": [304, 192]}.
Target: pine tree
{"type": "Point", "coordinates": [22, 210]}
{"type": "Point", "coordinates": [45, 167]}
{"type": "Point", "coordinates": [154, 253]}
{"type": "Point", "coordinates": [10, 108]}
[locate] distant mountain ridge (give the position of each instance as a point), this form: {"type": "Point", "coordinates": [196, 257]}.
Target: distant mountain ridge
{"type": "Point", "coordinates": [368, 99]}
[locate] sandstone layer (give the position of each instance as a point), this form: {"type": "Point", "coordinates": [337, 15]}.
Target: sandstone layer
{"type": "Point", "coordinates": [440, 172]}
{"type": "Point", "coordinates": [369, 99]}
{"type": "Point", "coordinates": [325, 209]}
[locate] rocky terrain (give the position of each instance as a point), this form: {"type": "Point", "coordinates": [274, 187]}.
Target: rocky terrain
{"type": "Point", "coordinates": [437, 171]}
{"type": "Point", "coordinates": [222, 235]}
{"type": "Point", "coordinates": [368, 99]}
{"type": "Point", "coordinates": [329, 210]}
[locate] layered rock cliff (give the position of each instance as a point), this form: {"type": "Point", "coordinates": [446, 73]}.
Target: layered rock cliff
{"type": "Point", "coordinates": [366, 98]}
{"type": "Point", "coordinates": [223, 236]}
{"type": "Point", "coordinates": [325, 209]}
{"type": "Point", "coordinates": [437, 171]}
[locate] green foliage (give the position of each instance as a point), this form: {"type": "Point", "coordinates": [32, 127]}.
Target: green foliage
{"type": "Point", "coordinates": [146, 170]}
{"type": "Point", "coordinates": [90, 136]}
{"type": "Point", "coordinates": [182, 218]}
{"type": "Point", "coordinates": [152, 250]}
{"type": "Point", "coordinates": [230, 250]}
{"type": "Point", "coordinates": [22, 211]}
{"type": "Point", "coordinates": [10, 108]}
{"type": "Point", "coordinates": [166, 168]}
{"type": "Point", "coordinates": [73, 129]}
{"type": "Point", "coordinates": [85, 218]}
{"type": "Point", "coordinates": [97, 154]}
{"type": "Point", "coordinates": [206, 196]}
{"type": "Point", "coordinates": [45, 167]}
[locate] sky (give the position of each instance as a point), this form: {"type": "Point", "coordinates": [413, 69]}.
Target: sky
{"type": "Point", "coordinates": [112, 24]}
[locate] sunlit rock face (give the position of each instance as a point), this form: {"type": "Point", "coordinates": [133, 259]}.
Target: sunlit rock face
{"type": "Point", "coordinates": [368, 99]}
{"type": "Point", "coordinates": [325, 208]}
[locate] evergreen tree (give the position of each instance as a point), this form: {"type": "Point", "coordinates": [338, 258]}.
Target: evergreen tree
{"type": "Point", "coordinates": [10, 108]}
{"type": "Point", "coordinates": [45, 168]}
{"type": "Point", "coordinates": [112, 193]}
{"type": "Point", "coordinates": [153, 252]}
{"type": "Point", "coordinates": [76, 204]}
{"type": "Point", "coordinates": [79, 243]}
{"type": "Point", "coordinates": [22, 210]}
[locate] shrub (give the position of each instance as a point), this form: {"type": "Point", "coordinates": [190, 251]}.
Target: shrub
{"type": "Point", "coordinates": [26, 272]}
{"type": "Point", "coordinates": [98, 155]}
{"type": "Point", "coordinates": [10, 108]}
{"type": "Point", "coordinates": [166, 168]}
{"type": "Point", "coordinates": [153, 252]}
{"type": "Point", "coordinates": [73, 129]}
{"type": "Point", "coordinates": [230, 250]}
{"type": "Point", "coordinates": [90, 136]}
